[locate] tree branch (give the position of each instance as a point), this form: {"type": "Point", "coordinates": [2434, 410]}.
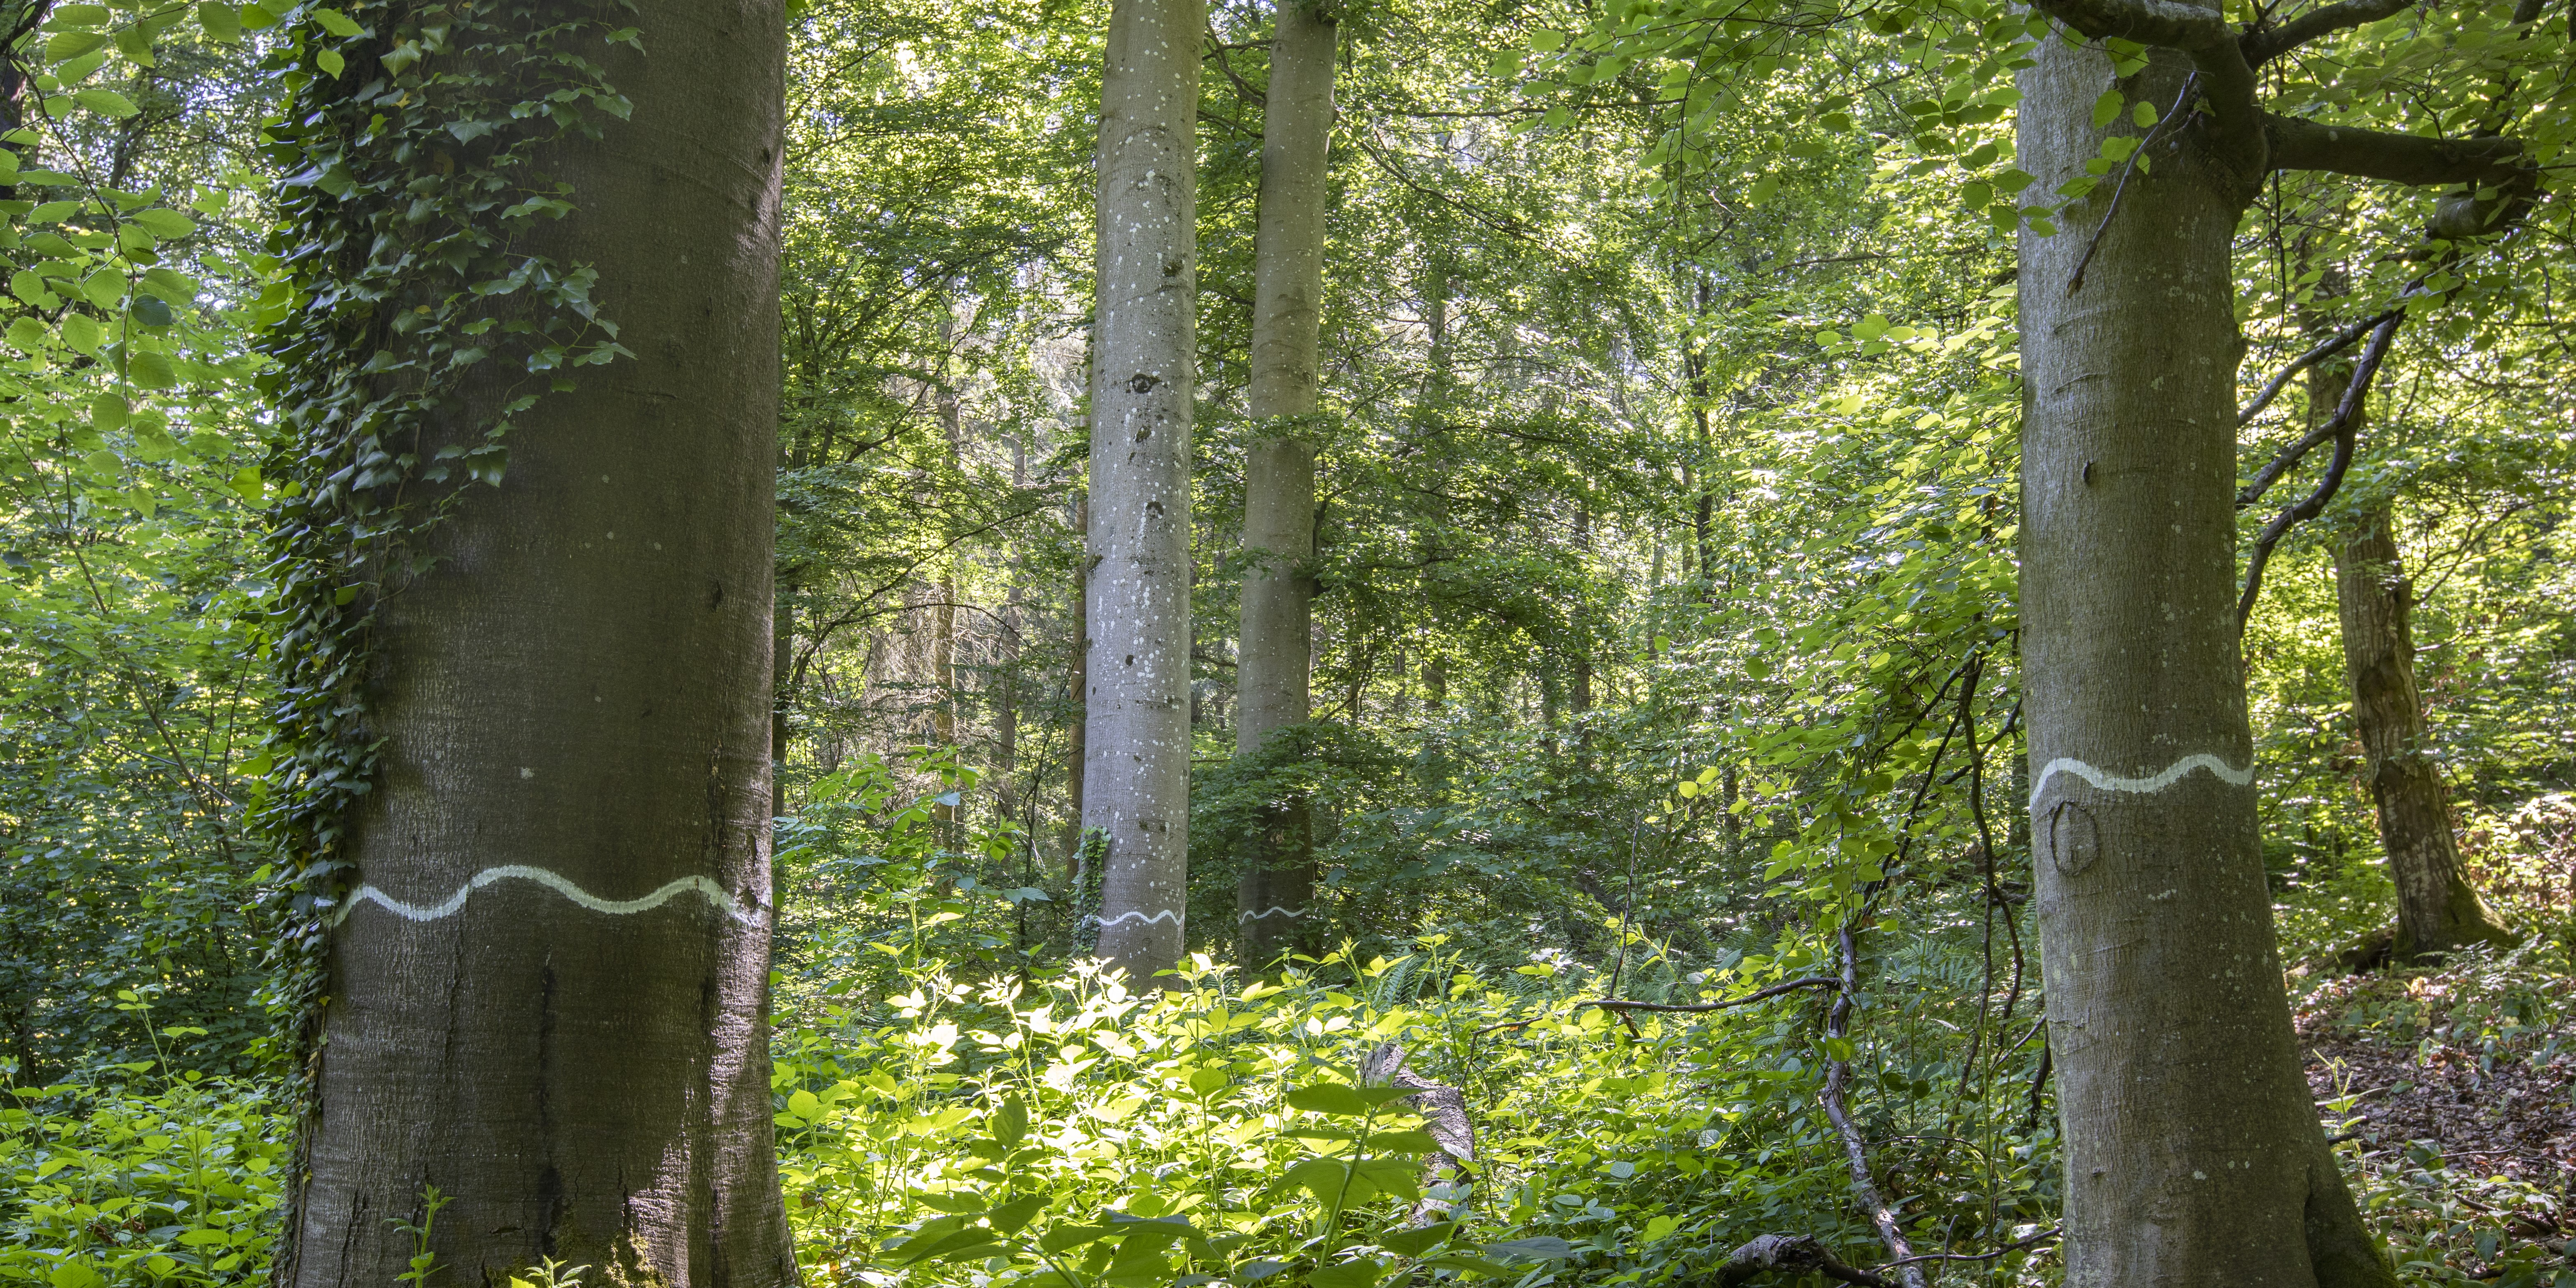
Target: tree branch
{"type": "Point", "coordinates": [1790, 1252]}
{"type": "Point", "coordinates": [2333, 345]}
{"type": "Point", "coordinates": [1613, 1004]}
{"type": "Point", "coordinates": [2344, 427]}
{"type": "Point", "coordinates": [2263, 44]}
{"type": "Point", "coordinates": [2399, 158]}
{"type": "Point", "coordinates": [2289, 457]}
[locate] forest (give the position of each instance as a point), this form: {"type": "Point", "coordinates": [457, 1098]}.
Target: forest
{"type": "Point", "coordinates": [1309, 643]}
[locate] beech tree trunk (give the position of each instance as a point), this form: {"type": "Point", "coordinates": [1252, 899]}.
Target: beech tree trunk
{"type": "Point", "coordinates": [2193, 1152]}
{"type": "Point", "coordinates": [1136, 779]}
{"type": "Point", "coordinates": [2437, 909]}
{"type": "Point", "coordinates": [547, 999]}
{"type": "Point", "coordinates": [1276, 896]}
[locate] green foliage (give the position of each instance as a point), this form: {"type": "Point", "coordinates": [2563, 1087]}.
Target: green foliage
{"type": "Point", "coordinates": [124, 1178]}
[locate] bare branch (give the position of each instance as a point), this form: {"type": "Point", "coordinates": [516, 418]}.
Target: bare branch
{"type": "Point", "coordinates": [1790, 1252]}
{"type": "Point", "coordinates": [2345, 428]}
{"type": "Point", "coordinates": [2398, 158]}
{"type": "Point", "coordinates": [2264, 44]}
{"type": "Point", "coordinates": [2333, 345]}
{"type": "Point", "coordinates": [1613, 1004]}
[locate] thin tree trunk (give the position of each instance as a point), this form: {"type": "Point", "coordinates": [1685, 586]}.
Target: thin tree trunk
{"type": "Point", "coordinates": [1077, 687]}
{"type": "Point", "coordinates": [2193, 1153]}
{"type": "Point", "coordinates": [1274, 898]}
{"type": "Point", "coordinates": [1143, 347]}
{"type": "Point", "coordinates": [547, 998]}
{"type": "Point", "coordinates": [2437, 909]}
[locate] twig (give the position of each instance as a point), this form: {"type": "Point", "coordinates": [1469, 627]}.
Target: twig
{"type": "Point", "coordinates": [1855, 1151]}
{"type": "Point", "coordinates": [1614, 1004]}
{"type": "Point", "coordinates": [2049, 1233]}
{"type": "Point", "coordinates": [2345, 426]}
{"type": "Point", "coordinates": [2120, 189]}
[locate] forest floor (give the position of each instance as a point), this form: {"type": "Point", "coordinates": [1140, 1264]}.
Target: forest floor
{"type": "Point", "coordinates": [2462, 1103]}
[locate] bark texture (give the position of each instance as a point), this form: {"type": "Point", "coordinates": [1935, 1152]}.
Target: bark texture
{"type": "Point", "coordinates": [2437, 909]}
{"type": "Point", "coordinates": [1275, 899]}
{"type": "Point", "coordinates": [1143, 347]}
{"type": "Point", "coordinates": [581, 686]}
{"type": "Point", "coordinates": [2194, 1156]}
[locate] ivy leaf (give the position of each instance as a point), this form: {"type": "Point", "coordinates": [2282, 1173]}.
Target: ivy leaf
{"type": "Point", "coordinates": [105, 102]}
{"type": "Point", "coordinates": [330, 61]}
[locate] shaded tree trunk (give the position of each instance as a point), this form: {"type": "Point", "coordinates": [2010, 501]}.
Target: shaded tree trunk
{"type": "Point", "coordinates": [1143, 346]}
{"type": "Point", "coordinates": [548, 997]}
{"type": "Point", "coordinates": [1274, 898]}
{"type": "Point", "coordinates": [2437, 909]}
{"type": "Point", "coordinates": [2193, 1153]}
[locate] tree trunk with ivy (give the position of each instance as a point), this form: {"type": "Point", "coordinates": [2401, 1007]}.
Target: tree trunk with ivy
{"type": "Point", "coordinates": [1136, 772]}
{"type": "Point", "coordinates": [2437, 909]}
{"type": "Point", "coordinates": [1275, 898]}
{"type": "Point", "coordinates": [544, 981]}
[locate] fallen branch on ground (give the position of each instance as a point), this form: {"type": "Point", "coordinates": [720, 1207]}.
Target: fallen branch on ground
{"type": "Point", "coordinates": [1790, 1252]}
{"type": "Point", "coordinates": [1614, 1004]}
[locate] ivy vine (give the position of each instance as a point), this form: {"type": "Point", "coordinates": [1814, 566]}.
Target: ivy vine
{"type": "Point", "coordinates": [414, 141]}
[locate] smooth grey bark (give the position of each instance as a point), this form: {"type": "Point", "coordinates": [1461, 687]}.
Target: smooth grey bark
{"type": "Point", "coordinates": [2193, 1152]}
{"type": "Point", "coordinates": [581, 684]}
{"type": "Point", "coordinates": [1143, 349]}
{"type": "Point", "coordinates": [2437, 909]}
{"type": "Point", "coordinates": [1275, 899]}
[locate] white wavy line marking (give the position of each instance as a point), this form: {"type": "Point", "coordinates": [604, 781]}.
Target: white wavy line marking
{"type": "Point", "coordinates": [1174, 916]}
{"type": "Point", "coordinates": [714, 894]}
{"type": "Point", "coordinates": [2172, 774]}
{"type": "Point", "coordinates": [1273, 910]}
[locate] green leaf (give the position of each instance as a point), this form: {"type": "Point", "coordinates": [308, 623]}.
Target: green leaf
{"type": "Point", "coordinates": [69, 45]}
{"type": "Point", "coordinates": [81, 15]}
{"type": "Point", "coordinates": [222, 22]}
{"type": "Point", "coordinates": [1322, 1177]}
{"type": "Point", "coordinates": [1011, 1122]}
{"type": "Point", "coordinates": [1071, 1236]}
{"type": "Point", "coordinates": [2106, 109]}
{"type": "Point", "coordinates": [105, 102]}
{"type": "Point", "coordinates": [168, 225]}
{"type": "Point", "coordinates": [1011, 1216]}
{"type": "Point", "coordinates": [83, 333]}
{"type": "Point", "coordinates": [2144, 113]}
{"type": "Point", "coordinates": [29, 335]}
{"type": "Point", "coordinates": [151, 369]}
{"type": "Point", "coordinates": [1413, 1243]}
{"type": "Point", "coordinates": [803, 1106]}
{"type": "Point", "coordinates": [1546, 1247]}
{"type": "Point", "coordinates": [1362, 1272]}
{"type": "Point", "coordinates": [336, 22]}
{"type": "Point", "coordinates": [107, 412]}
{"type": "Point", "coordinates": [1545, 40]}
{"type": "Point", "coordinates": [1343, 1100]}
{"type": "Point", "coordinates": [331, 61]}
